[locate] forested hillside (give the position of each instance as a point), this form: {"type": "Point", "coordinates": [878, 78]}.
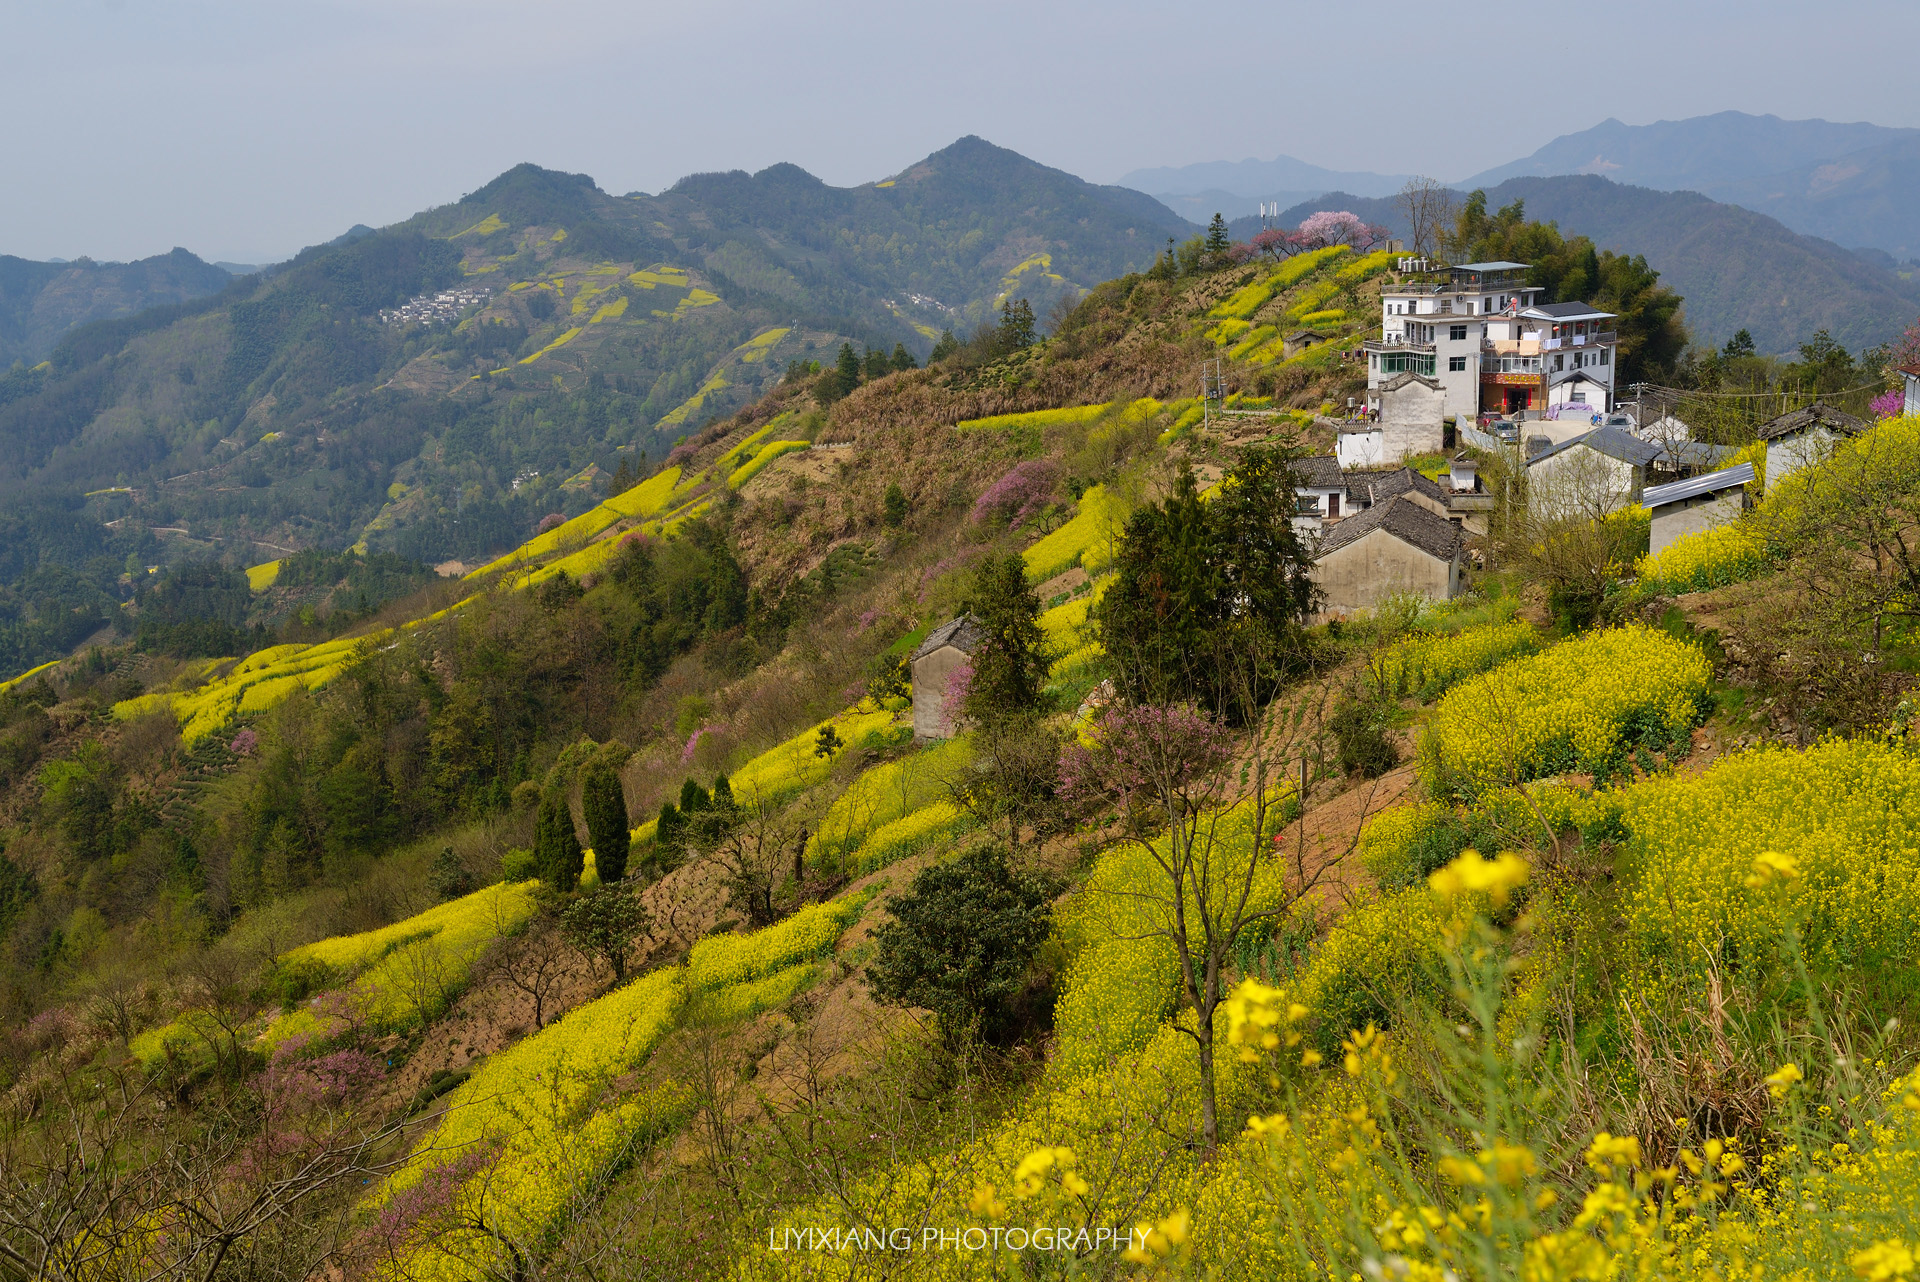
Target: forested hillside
{"type": "Point", "coordinates": [40, 302]}
{"type": "Point", "coordinates": [338, 401]}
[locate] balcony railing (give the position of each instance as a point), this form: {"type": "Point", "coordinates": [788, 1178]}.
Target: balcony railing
{"type": "Point", "coordinates": [1396, 345]}
{"type": "Point", "coordinates": [1580, 340]}
{"type": "Point", "coordinates": [1490, 364]}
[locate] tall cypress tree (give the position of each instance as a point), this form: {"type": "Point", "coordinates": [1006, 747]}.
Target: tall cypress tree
{"type": "Point", "coordinates": [605, 802]}
{"type": "Point", "coordinates": [1218, 242]}
{"type": "Point", "coordinates": [555, 845]}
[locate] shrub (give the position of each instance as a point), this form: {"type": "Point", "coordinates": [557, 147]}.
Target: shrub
{"type": "Point", "coordinates": [1579, 706]}
{"type": "Point", "coordinates": [961, 942]}
{"type": "Point", "coordinates": [1019, 494]}
{"type": "Point", "coordinates": [1359, 728]}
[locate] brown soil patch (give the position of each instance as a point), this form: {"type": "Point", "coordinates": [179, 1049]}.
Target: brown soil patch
{"type": "Point", "coordinates": [1327, 837]}
{"type": "Point", "coordinates": [1072, 581]}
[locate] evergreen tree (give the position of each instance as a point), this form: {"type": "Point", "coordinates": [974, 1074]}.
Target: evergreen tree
{"type": "Point", "coordinates": [843, 377]}
{"type": "Point", "coordinates": [1741, 344]}
{"type": "Point", "coordinates": [602, 926]}
{"type": "Point", "coordinates": [605, 803]}
{"type": "Point", "coordinates": [1010, 666]}
{"type": "Point", "coordinates": [893, 507]}
{"type": "Point", "coordinates": [1016, 330]}
{"type": "Point", "coordinates": [1218, 242]}
{"type": "Point", "coordinates": [1163, 264]}
{"type": "Point", "coordinates": [448, 877]}
{"type": "Point", "coordinates": [693, 798]}
{"type": "Point", "coordinates": [876, 364]}
{"type": "Point", "coordinates": [961, 942]}
{"type": "Point", "coordinates": [556, 848]}
{"type": "Point", "coordinates": [902, 358]}
{"type": "Point", "coordinates": [722, 798]}
{"type": "Point", "coordinates": [1209, 598]}
{"type": "Point", "coordinates": [945, 347]}
{"type": "Point", "coordinates": [669, 842]}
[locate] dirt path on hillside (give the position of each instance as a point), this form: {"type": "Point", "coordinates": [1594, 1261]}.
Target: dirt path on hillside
{"type": "Point", "coordinates": [1324, 843]}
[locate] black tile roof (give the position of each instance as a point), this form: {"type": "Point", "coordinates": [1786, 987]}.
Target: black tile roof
{"type": "Point", "coordinates": [1318, 472]}
{"type": "Point", "coordinates": [1817, 414]}
{"type": "Point", "coordinates": [1375, 488]}
{"type": "Point", "coordinates": [1401, 517]}
{"type": "Point", "coordinates": [1610, 441]}
{"type": "Point", "coordinates": [964, 634]}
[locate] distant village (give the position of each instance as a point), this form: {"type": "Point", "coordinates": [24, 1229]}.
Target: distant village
{"type": "Point", "coordinates": [1468, 356]}
{"type": "Point", "coordinates": [445, 307]}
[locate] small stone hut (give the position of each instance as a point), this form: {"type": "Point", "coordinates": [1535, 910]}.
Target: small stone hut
{"type": "Point", "coordinates": [947, 647]}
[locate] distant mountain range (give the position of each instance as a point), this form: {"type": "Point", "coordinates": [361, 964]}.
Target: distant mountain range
{"type": "Point", "coordinates": [1737, 269]}
{"type": "Point", "coordinates": [1237, 188]}
{"type": "Point", "coordinates": [1857, 185]}
{"type": "Point", "coordinates": [299, 407]}
{"type": "Point", "coordinates": [40, 302]}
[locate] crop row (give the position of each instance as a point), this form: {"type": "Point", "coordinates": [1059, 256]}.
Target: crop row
{"type": "Point", "coordinates": [1578, 706]}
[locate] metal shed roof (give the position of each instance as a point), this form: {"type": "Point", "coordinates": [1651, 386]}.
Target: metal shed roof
{"type": "Point", "coordinates": [1694, 486]}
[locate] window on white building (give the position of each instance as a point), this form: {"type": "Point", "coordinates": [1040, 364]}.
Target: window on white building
{"type": "Point", "coordinates": [1455, 364]}
{"type": "Point", "coordinates": [1603, 356]}
{"type": "Point", "coordinates": [1578, 398]}
{"type": "Point", "coordinates": [1457, 333]}
{"type": "Point", "coordinates": [1559, 360]}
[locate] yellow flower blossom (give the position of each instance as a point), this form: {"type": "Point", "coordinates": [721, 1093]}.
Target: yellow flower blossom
{"type": "Point", "coordinates": [1469, 873]}
{"type": "Point", "coordinates": [1782, 1079]}
{"type": "Point", "coordinates": [1891, 1258]}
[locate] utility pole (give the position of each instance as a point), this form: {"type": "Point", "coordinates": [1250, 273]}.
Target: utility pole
{"type": "Point", "coordinates": [1213, 391]}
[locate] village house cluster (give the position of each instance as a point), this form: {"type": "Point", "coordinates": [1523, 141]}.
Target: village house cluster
{"type": "Point", "coordinates": [444, 307]}
{"type": "Point", "coordinates": [1469, 357]}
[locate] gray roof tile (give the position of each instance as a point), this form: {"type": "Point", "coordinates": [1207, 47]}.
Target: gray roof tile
{"type": "Point", "coordinates": [1401, 517]}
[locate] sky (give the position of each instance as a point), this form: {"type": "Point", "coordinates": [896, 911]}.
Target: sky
{"type": "Point", "coordinates": [244, 131]}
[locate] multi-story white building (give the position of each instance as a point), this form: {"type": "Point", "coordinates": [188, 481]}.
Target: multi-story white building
{"type": "Point", "coordinates": [1482, 334]}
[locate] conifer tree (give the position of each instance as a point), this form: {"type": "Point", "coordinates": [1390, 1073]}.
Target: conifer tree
{"type": "Point", "coordinates": [1017, 329]}
{"type": "Point", "coordinates": [693, 798]}
{"type": "Point", "coordinates": [1218, 242]}
{"type": "Point", "coordinates": [945, 347]}
{"type": "Point", "coordinates": [1010, 666]}
{"type": "Point", "coordinates": [845, 375]}
{"type": "Point", "coordinates": [669, 841]}
{"type": "Point", "coordinates": [556, 848]}
{"type": "Point", "coordinates": [902, 358]}
{"type": "Point", "coordinates": [605, 802]}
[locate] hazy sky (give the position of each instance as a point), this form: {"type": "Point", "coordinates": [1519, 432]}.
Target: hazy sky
{"type": "Point", "coordinates": [244, 131]}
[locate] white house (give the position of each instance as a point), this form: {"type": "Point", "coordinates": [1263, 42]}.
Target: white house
{"type": "Point", "coordinates": [1697, 503]}
{"type": "Point", "coordinates": [1482, 332]}
{"type": "Point", "coordinates": [1396, 546]}
{"type": "Point", "coordinates": [1320, 489]}
{"type": "Point", "coordinates": [1912, 374]}
{"type": "Point", "coordinates": [1805, 436]}
{"type": "Point", "coordinates": [1598, 472]}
